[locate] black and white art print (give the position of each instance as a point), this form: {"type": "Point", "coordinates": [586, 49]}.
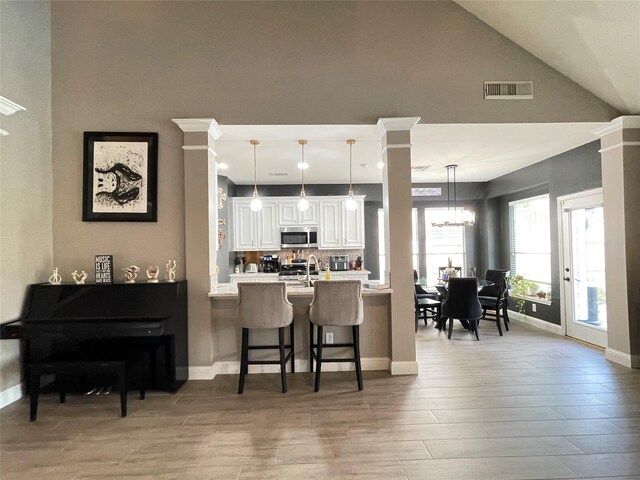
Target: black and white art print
{"type": "Point", "coordinates": [120, 177]}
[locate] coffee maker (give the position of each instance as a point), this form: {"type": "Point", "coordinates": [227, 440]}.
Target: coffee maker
{"type": "Point", "coordinates": [270, 264]}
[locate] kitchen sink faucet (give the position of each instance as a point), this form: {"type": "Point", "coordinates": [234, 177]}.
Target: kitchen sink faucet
{"type": "Point", "coordinates": [308, 266]}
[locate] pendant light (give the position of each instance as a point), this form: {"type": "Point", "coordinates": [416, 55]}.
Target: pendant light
{"type": "Point", "coordinates": [453, 220]}
{"type": "Point", "coordinates": [303, 203]}
{"type": "Point", "coordinates": [350, 203]}
{"type": "Point", "coordinates": [256, 203]}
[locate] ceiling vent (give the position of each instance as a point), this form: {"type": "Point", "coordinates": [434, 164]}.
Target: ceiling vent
{"type": "Point", "coordinates": [278, 174]}
{"type": "Point", "coordinates": [508, 90]}
{"type": "Point", "coordinates": [419, 168]}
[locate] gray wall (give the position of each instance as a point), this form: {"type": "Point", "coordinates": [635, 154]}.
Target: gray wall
{"type": "Point", "coordinates": [25, 165]}
{"type": "Point", "coordinates": [570, 172]}
{"type": "Point", "coordinates": [134, 66]}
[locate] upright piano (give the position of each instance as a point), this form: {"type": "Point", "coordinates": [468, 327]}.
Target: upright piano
{"type": "Point", "coordinates": [146, 316]}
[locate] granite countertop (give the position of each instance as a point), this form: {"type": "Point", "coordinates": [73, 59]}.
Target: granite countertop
{"type": "Point", "coordinates": [337, 272]}
{"type": "Point", "coordinates": [229, 290]}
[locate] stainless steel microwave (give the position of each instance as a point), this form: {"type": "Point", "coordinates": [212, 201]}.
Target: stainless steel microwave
{"type": "Point", "coordinates": [298, 237]}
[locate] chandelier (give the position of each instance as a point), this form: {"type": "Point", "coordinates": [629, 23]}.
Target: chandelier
{"type": "Point", "coordinates": [455, 217]}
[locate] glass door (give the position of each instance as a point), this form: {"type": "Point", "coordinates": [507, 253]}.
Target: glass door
{"type": "Point", "coordinates": [583, 271]}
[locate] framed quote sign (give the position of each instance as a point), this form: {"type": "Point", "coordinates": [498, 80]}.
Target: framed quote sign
{"type": "Point", "coordinates": [104, 269]}
{"type": "Point", "coordinates": [120, 177]}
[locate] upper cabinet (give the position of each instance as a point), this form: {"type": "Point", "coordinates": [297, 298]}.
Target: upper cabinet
{"type": "Point", "coordinates": [288, 213]}
{"type": "Point", "coordinates": [255, 230]}
{"type": "Point", "coordinates": [338, 228]}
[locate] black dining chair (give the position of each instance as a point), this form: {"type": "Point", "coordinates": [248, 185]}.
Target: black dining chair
{"type": "Point", "coordinates": [492, 306]}
{"type": "Point", "coordinates": [462, 303]}
{"type": "Point", "coordinates": [493, 296]}
{"type": "Point", "coordinates": [426, 305]}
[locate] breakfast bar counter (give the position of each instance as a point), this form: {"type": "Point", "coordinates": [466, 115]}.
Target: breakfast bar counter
{"type": "Point", "coordinates": [375, 331]}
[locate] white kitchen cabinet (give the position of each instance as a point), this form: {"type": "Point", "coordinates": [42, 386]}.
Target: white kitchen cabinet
{"type": "Point", "coordinates": [288, 213]}
{"type": "Point", "coordinates": [255, 230]}
{"type": "Point", "coordinates": [268, 231]}
{"type": "Point", "coordinates": [339, 227]}
{"type": "Point", "coordinates": [330, 228]}
{"type": "Point", "coordinates": [353, 226]}
{"type": "Point", "coordinates": [244, 226]}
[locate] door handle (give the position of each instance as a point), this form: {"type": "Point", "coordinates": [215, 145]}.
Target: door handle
{"type": "Point", "coordinates": [567, 279]}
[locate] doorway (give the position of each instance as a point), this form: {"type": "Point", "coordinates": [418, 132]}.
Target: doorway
{"type": "Point", "coordinates": [583, 268]}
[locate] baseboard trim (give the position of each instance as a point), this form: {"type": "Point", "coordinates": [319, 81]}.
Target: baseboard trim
{"type": "Point", "coordinates": [202, 373]}
{"type": "Point", "coordinates": [10, 395]}
{"type": "Point", "coordinates": [622, 358]}
{"type": "Point", "coordinates": [404, 368]}
{"type": "Point", "coordinates": [536, 322]}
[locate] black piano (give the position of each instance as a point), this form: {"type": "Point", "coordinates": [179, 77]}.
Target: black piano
{"type": "Point", "coordinates": [146, 316]}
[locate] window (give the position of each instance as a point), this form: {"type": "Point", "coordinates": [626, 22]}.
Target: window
{"type": "Point", "coordinates": [531, 240]}
{"type": "Point", "coordinates": [442, 243]}
{"type": "Point", "coordinates": [415, 245]}
{"type": "Point", "coordinates": [381, 251]}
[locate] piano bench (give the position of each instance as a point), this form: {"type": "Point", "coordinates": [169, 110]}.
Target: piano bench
{"type": "Point", "coordinates": [55, 366]}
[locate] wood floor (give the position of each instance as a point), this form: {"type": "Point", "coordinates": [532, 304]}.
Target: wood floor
{"type": "Point", "coordinates": [529, 405]}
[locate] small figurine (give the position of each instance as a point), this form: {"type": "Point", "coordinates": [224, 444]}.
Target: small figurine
{"type": "Point", "coordinates": [152, 274]}
{"type": "Point", "coordinates": [170, 274]}
{"type": "Point", "coordinates": [55, 278]}
{"type": "Point", "coordinates": [79, 278]}
{"type": "Point", "coordinates": [130, 274]}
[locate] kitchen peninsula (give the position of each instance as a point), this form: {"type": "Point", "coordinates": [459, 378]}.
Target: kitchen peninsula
{"type": "Point", "coordinates": [375, 333]}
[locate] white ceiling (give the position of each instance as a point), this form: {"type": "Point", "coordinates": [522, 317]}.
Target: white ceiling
{"type": "Point", "coordinates": [482, 151]}
{"type": "Point", "coordinates": [594, 43]}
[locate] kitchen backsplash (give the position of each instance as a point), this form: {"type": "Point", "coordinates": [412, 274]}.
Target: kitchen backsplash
{"type": "Point", "coordinates": [322, 255]}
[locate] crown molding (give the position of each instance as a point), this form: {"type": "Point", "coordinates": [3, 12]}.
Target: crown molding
{"type": "Point", "coordinates": [385, 125]}
{"type": "Point", "coordinates": [7, 107]}
{"type": "Point", "coordinates": [208, 125]}
{"type": "Point", "coordinates": [620, 123]}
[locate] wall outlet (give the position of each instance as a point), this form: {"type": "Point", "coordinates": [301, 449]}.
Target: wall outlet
{"type": "Point", "coordinates": [533, 307]}
{"type": "Point", "coordinates": [328, 338]}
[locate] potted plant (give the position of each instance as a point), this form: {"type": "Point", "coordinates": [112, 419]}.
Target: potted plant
{"type": "Point", "coordinates": [450, 271]}
{"type": "Point", "coordinates": [521, 288]}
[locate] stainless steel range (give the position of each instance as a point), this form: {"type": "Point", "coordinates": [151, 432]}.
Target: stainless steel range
{"type": "Point", "coordinates": [297, 271]}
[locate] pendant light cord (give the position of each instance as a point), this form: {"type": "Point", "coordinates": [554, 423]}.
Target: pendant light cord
{"type": "Point", "coordinates": [303, 167]}
{"type": "Point", "coordinates": [350, 142]}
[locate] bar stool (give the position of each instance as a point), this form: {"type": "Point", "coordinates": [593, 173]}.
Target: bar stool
{"type": "Point", "coordinates": [336, 303]}
{"type": "Point", "coordinates": [261, 306]}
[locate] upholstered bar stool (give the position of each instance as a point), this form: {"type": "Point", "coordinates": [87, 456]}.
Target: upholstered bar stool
{"type": "Point", "coordinates": [335, 303]}
{"type": "Point", "coordinates": [263, 306]}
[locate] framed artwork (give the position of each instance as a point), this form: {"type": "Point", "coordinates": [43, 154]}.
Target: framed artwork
{"type": "Point", "coordinates": [120, 177]}
{"type": "Point", "coordinates": [104, 269]}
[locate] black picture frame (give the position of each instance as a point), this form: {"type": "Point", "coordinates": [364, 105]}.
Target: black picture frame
{"type": "Point", "coordinates": [104, 269]}
{"type": "Point", "coordinates": [120, 177]}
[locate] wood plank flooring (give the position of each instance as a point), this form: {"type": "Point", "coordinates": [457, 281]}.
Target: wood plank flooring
{"type": "Point", "coordinates": [529, 405]}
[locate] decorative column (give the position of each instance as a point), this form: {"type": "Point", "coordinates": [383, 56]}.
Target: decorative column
{"type": "Point", "coordinates": [620, 150]}
{"type": "Point", "coordinates": [201, 237]}
{"type": "Point", "coordinates": [396, 190]}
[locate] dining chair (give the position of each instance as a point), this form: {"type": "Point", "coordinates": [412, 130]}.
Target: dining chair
{"type": "Point", "coordinates": [265, 306]}
{"type": "Point", "coordinates": [336, 303]}
{"type": "Point", "coordinates": [426, 307]}
{"type": "Point", "coordinates": [492, 306]}
{"type": "Point", "coordinates": [462, 303]}
{"type": "Point", "coordinates": [493, 294]}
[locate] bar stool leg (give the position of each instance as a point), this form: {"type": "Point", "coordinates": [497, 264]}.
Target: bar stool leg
{"type": "Point", "coordinates": [311, 329]}
{"type": "Point", "coordinates": [244, 359]}
{"type": "Point", "coordinates": [356, 353]}
{"type": "Point", "coordinates": [319, 358]}
{"type": "Point", "coordinates": [293, 350]}
{"type": "Point", "coordinates": [283, 373]}
{"type": "Point", "coordinates": [450, 327]}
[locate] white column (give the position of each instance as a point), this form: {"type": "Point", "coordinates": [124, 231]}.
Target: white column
{"type": "Point", "coordinates": [620, 150]}
{"type": "Point", "coordinates": [201, 237]}
{"type": "Point", "coordinates": [396, 189]}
